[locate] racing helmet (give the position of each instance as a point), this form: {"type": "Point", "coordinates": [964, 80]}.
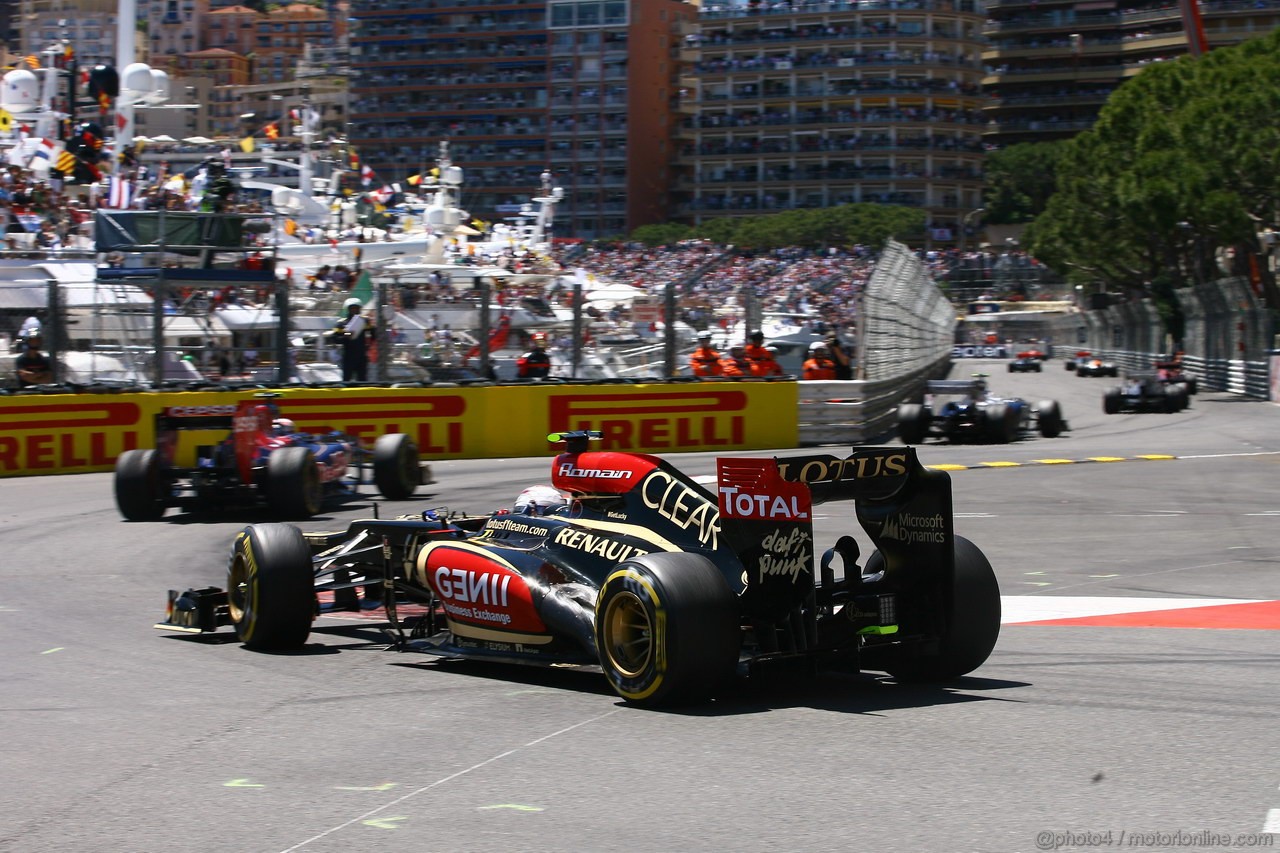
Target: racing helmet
{"type": "Point", "coordinates": [540, 500]}
{"type": "Point", "coordinates": [283, 426]}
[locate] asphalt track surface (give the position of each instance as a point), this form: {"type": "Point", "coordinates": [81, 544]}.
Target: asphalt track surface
{"type": "Point", "coordinates": [1152, 731]}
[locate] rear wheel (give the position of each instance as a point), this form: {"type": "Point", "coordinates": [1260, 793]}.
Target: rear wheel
{"type": "Point", "coordinates": [1049, 418]}
{"type": "Point", "coordinates": [973, 623]}
{"type": "Point", "coordinates": [1192, 387]}
{"type": "Point", "coordinates": [395, 466]}
{"type": "Point", "coordinates": [1111, 401]}
{"type": "Point", "coordinates": [667, 628]}
{"type": "Point", "coordinates": [271, 587]}
{"type": "Point", "coordinates": [141, 485]}
{"type": "Point", "coordinates": [1000, 423]}
{"type": "Point", "coordinates": [913, 423]}
{"type": "Point", "coordinates": [293, 482]}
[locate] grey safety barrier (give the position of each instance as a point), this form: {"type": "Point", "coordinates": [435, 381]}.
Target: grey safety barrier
{"type": "Point", "coordinates": [832, 412]}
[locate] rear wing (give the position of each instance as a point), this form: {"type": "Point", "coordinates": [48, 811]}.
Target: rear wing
{"type": "Point", "coordinates": [964, 387]}
{"type": "Point", "coordinates": [766, 516]}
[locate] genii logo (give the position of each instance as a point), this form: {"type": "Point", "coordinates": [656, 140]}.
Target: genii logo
{"type": "Point", "coordinates": [478, 588]}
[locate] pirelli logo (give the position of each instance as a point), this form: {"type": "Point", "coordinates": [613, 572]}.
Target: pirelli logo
{"type": "Point", "coordinates": [62, 434]}
{"type": "Point", "coordinates": [435, 421]}
{"type": "Point", "coordinates": [660, 420]}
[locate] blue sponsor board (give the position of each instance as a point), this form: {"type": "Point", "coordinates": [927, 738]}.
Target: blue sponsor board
{"type": "Point", "coordinates": [980, 351]}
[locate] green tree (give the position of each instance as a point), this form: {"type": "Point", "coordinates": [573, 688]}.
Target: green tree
{"type": "Point", "coordinates": [1180, 171]}
{"type": "Point", "coordinates": [1019, 181]}
{"type": "Point", "coordinates": [661, 235]}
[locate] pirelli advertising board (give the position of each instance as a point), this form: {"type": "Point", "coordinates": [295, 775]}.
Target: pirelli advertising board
{"type": "Point", "coordinates": [68, 433]}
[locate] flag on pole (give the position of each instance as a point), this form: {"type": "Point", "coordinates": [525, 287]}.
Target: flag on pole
{"type": "Point", "coordinates": [120, 195]}
{"type": "Point", "coordinates": [272, 131]}
{"type": "Point", "coordinates": [246, 145]}
{"type": "Point", "coordinates": [366, 175]}
{"type": "Point", "coordinates": [42, 153]}
{"type": "Point", "coordinates": [413, 180]}
{"type": "Point", "coordinates": [66, 163]}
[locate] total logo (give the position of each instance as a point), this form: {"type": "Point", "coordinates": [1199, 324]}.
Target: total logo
{"type": "Point", "coordinates": [740, 504]}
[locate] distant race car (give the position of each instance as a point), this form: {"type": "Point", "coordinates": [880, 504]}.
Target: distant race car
{"type": "Point", "coordinates": [264, 461]}
{"type": "Point", "coordinates": [1145, 393]}
{"type": "Point", "coordinates": [1169, 371]}
{"type": "Point", "coordinates": [1080, 356]}
{"type": "Point", "coordinates": [643, 573]}
{"type": "Point", "coordinates": [1026, 362]}
{"type": "Point", "coordinates": [1096, 367]}
{"type": "Point", "coordinates": [963, 410]}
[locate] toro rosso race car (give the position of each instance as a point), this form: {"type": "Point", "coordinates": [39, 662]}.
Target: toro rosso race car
{"type": "Point", "coordinates": [1170, 372]}
{"type": "Point", "coordinates": [962, 410]}
{"type": "Point", "coordinates": [668, 588]}
{"type": "Point", "coordinates": [1145, 393]}
{"type": "Point", "coordinates": [1026, 362]}
{"type": "Point", "coordinates": [264, 461]}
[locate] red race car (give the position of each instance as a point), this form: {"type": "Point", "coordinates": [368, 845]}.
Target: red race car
{"type": "Point", "coordinates": [264, 461]}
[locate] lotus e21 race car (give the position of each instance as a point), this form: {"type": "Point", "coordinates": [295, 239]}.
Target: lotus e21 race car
{"type": "Point", "coordinates": [669, 588]}
{"type": "Point", "coordinates": [963, 410]}
{"type": "Point", "coordinates": [264, 460]}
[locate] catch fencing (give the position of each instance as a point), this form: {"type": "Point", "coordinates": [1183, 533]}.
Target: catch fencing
{"type": "Point", "coordinates": [1228, 335]}
{"type": "Point", "coordinates": [905, 330]}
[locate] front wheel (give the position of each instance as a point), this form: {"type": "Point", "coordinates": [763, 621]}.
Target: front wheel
{"type": "Point", "coordinates": [667, 628]}
{"type": "Point", "coordinates": [141, 485]}
{"type": "Point", "coordinates": [972, 623]}
{"type": "Point", "coordinates": [293, 482]}
{"type": "Point", "coordinates": [271, 587]}
{"type": "Point", "coordinates": [395, 466]}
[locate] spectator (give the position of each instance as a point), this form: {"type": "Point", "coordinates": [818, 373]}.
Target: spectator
{"type": "Point", "coordinates": [535, 364]}
{"type": "Point", "coordinates": [33, 366]}
{"type": "Point", "coordinates": [705, 361]}
{"type": "Point", "coordinates": [735, 363]}
{"type": "Point", "coordinates": [819, 365]}
{"type": "Point", "coordinates": [355, 332]}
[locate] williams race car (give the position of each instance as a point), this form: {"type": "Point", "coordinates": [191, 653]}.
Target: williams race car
{"type": "Point", "coordinates": [264, 461]}
{"type": "Point", "coordinates": [962, 410]}
{"type": "Point", "coordinates": [668, 588]}
{"type": "Point", "coordinates": [1144, 392]}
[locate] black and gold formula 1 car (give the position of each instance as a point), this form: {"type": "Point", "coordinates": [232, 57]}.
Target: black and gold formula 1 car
{"type": "Point", "coordinates": [669, 588]}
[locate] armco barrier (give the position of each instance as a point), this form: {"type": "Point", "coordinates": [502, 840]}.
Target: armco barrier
{"type": "Point", "coordinates": [66, 433]}
{"type": "Point", "coordinates": [860, 411]}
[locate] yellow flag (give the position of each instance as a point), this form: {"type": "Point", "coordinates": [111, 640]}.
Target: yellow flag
{"type": "Point", "coordinates": [246, 145]}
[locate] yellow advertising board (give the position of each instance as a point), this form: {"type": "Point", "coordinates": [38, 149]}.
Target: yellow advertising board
{"type": "Point", "coordinates": [66, 433]}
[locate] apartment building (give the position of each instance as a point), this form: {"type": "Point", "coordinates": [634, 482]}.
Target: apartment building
{"type": "Point", "coordinates": [584, 88]}
{"type": "Point", "coordinates": [816, 104]}
{"type": "Point", "coordinates": [1051, 64]}
{"type": "Point", "coordinates": [647, 110]}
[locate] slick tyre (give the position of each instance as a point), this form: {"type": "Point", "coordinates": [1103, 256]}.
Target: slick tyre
{"type": "Point", "coordinates": [271, 587]}
{"type": "Point", "coordinates": [293, 483]}
{"type": "Point", "coordinates": [667, 629]}
{"type": "Point", "coordinates": [141, 485]}
{"type": "Point", "coordinates": [972, 625]}
{"type": "Point", "coordinates": [1049, 418]}
{"type": "Point", "coordinates": [1111, 402]}
{"type": "Point", "coordinates": [1000, 423]}
{"type": "Point", "coordinates": [395, 466]}
{"type": "Point", "coordinates": [913, 423]}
